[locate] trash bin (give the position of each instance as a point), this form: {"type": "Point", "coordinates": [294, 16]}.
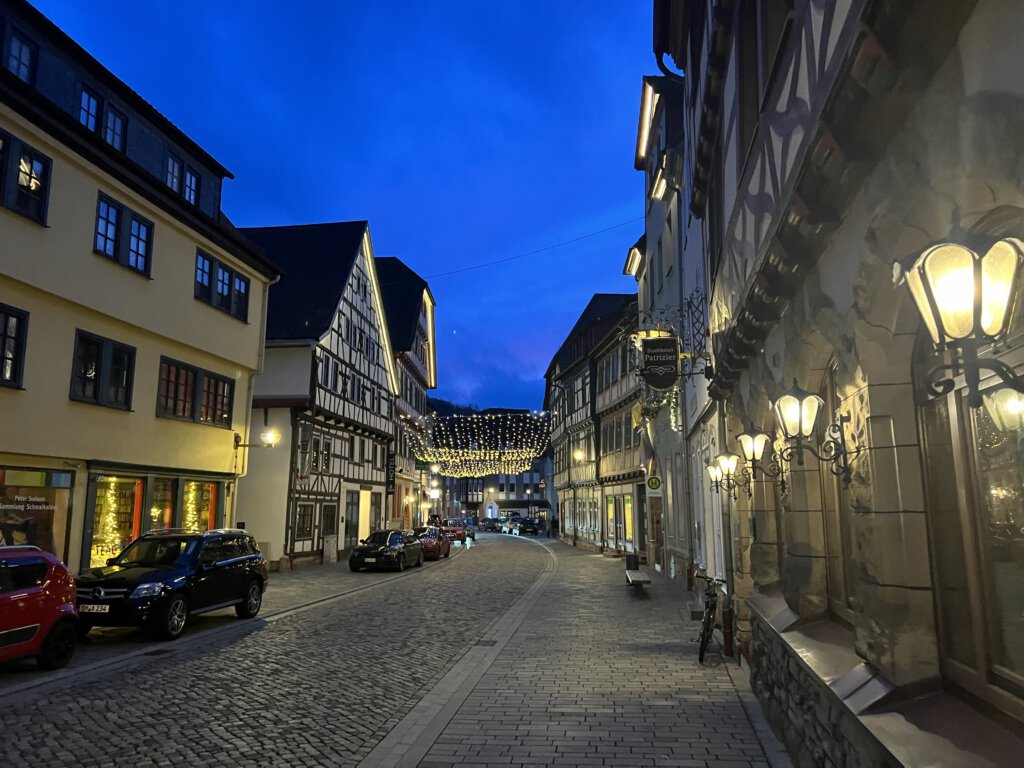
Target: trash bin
{"type": "Point", "coordinates": [632, 562]}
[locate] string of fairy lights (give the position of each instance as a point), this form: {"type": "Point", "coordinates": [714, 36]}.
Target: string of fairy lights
{"type": "Point", "coordinates": [481, 444]}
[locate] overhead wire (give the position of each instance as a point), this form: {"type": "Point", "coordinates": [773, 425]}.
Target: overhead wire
{"type": "Point", "coordinates": [534, 253]}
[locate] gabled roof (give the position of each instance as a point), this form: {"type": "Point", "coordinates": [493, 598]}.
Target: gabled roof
{"type": "Point", "coordinates": [599, 316]}
{"type": "Point", "coordinates": [317, 260]}
{"type": "Point", "coordinates": [402, 291]}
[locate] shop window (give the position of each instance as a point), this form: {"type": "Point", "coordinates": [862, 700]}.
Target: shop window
{"type": "Point", "coordinates": [36, 504]}
{"type": "Point", "coordinates": [199, 507]}
{"type": "Point", "coordinates": [161, 509]}
{"type": "Point", "coordinates": [627, 513]}
{"type": "Point", "coordinates": [117, 517]}
{"type": "Point", "coordinates": [974, 482]}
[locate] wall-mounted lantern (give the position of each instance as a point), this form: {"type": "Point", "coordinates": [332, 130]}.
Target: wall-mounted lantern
{"type": "Point", "coordinates": [796, 413]}
{"type": "Point", "coordinates": [965, 291]}
{"type": "Point", "coordinates": [724, 476]}
{"type": "Point", "coordinates": [752, 444]}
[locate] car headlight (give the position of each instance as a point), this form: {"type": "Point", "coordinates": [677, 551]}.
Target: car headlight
{"type": "Point", "coordinates": [148, 590]}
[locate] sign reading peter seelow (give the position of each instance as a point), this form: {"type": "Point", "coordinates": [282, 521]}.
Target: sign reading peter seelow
{"type": "Point", "coordinates": [661, 362]}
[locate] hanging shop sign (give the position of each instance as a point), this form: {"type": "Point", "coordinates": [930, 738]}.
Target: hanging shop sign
{"type": "Point", "coordinates": [661, 362]}
{"type": "Point", "coordinates": [390, 474]}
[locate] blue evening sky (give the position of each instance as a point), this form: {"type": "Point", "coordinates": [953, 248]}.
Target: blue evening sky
{"type": "Point", "coordinates": [464, 131]}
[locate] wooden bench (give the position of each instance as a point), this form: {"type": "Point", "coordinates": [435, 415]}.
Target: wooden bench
{"type": "Point", "coordinates": [637, 579]}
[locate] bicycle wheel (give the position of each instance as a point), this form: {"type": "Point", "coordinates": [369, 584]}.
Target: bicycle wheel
{"type": "Point", "coordinates": [707, 626]}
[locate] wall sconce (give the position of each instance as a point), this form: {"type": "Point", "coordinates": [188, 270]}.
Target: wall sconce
{"type": "Point", "coordinates": [666, 175]}
{"type": "Point", "coordinates": [268, 439]}
{"type": "Point", "coordinates": [796, 412]}
{"type": "Point", "coordinates": [965, 291]}
{"type": "Point", "coordinates": [753, 443]}
{"type": "Point", "coordinates": [724, 476]}
{"type": "Point", "coordinates": [578, 455]}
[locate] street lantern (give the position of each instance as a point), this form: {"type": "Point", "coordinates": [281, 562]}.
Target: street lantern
{"type": "Point", "coordinates": [752, 443]}
{"type": "Point", "coordinates": [727, 463]}
{"type": "Point", "coordinates": [965, 291]}
{"type": "Point", "coordinates": [796, 410]}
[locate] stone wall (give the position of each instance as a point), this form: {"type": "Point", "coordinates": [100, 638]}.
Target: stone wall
{"type": "Point", "coordinates": [819, 731]}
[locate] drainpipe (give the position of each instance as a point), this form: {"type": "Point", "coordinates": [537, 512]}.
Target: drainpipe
{"type": "Point", "coordinates": [727, 604]}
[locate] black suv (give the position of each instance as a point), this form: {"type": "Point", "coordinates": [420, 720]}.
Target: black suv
{"type": "Point", "coordinates": [163, 577]}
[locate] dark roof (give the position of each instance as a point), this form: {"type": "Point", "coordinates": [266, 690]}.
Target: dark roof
{"type": "Point", "coordinates": [316, 260]}
{"type": "Point", "coordinates": [603, 311]}
{"type": "Point", "coordinates": [112, 81]}
{"type": "Point", "coordinates": [401, 289]}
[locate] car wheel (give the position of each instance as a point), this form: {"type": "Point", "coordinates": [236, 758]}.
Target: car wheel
{"type": "Point", "coordinates": [448, 553]}
{"type": "Point", "coordinates": [170, 620]}
{"type": "Point", "coordinates": [419, 561]}
{"type": "Point", "coordinates": [59, 646]}
{"type": "Point", "coordinates": [250, 606]}
{"type": "Point", "coordinates": [400, 563]}
{"type": "Point", "coordinates": [354, 567]}
{"type": "Point", "coordinates": [83, 628]}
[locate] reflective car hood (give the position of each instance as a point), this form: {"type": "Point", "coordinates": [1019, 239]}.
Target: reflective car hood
{"type": "Point", "coordinates": [363, 549]}
{"type": "Point", "coordinates": [114, 576]}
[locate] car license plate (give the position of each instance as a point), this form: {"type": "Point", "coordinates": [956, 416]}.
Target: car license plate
{"type": "Point", "coordinates": [94, 608]}
{"type": "Point", "coordinates": [370, 560]}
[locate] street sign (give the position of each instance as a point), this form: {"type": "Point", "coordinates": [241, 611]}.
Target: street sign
{"type": "Point", "coordinates": [653, 485]}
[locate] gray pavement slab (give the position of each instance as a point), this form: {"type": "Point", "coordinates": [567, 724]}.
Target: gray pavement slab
{"type": "Point", "coordinates": [518, 652]}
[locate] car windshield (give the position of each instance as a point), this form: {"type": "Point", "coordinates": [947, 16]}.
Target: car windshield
{"type": "Point", "coordinates": [164, 550]}
{"type": "Point", "coordinates": [424, 532]}
{"type": "Point", "coordinates": [377, 539]}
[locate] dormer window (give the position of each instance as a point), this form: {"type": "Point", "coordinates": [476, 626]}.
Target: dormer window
{"type": "Point", "coordinates": [191, 190]}
{"type": "Point", "coordinates": [22, 59]}
{"type": "Point", "coordinates": [173, 178]}
{"type": "Point", "coordinates": [113, 128]}
{"type": "Point", "coordinates": [89, 110]}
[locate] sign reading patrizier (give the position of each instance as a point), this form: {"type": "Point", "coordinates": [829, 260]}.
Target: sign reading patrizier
{"type": "Point", "coordinates": [661, 362]}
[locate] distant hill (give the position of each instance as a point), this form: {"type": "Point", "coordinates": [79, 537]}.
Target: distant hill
{"type": "Point", "coordinates": [446, 408]}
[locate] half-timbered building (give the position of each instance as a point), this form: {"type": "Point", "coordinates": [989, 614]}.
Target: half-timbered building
{"type": "Point", "coordinates": [828, 147]}
{"type": "Point", "coordinates": [328, 385]}
{"type": "Point", "coordinates": [409, 309]}
{"type": "Point", "coordinates": [570, 396]}
{"type": "Point", "coordinates": [620, 470]}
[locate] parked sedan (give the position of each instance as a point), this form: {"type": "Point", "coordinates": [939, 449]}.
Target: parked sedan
{"type": "Point", "coordinates": [435, 544]}
{"type": "Point", "coordinates": [387, 549]}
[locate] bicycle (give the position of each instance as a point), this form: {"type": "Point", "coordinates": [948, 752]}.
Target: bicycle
{"type": "Point", "coordinates": [707, 622]}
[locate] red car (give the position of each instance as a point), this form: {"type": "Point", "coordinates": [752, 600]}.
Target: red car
{"type": "Point", "coordinates": [37, 607]}
{"type": "Point", "coordinates": [435, 544]}
{"type": "Point", "coordinates": [455, 529]}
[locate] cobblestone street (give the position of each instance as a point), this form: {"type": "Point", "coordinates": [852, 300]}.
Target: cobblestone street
{"type": "Point", "coordinates": [516, 653]}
